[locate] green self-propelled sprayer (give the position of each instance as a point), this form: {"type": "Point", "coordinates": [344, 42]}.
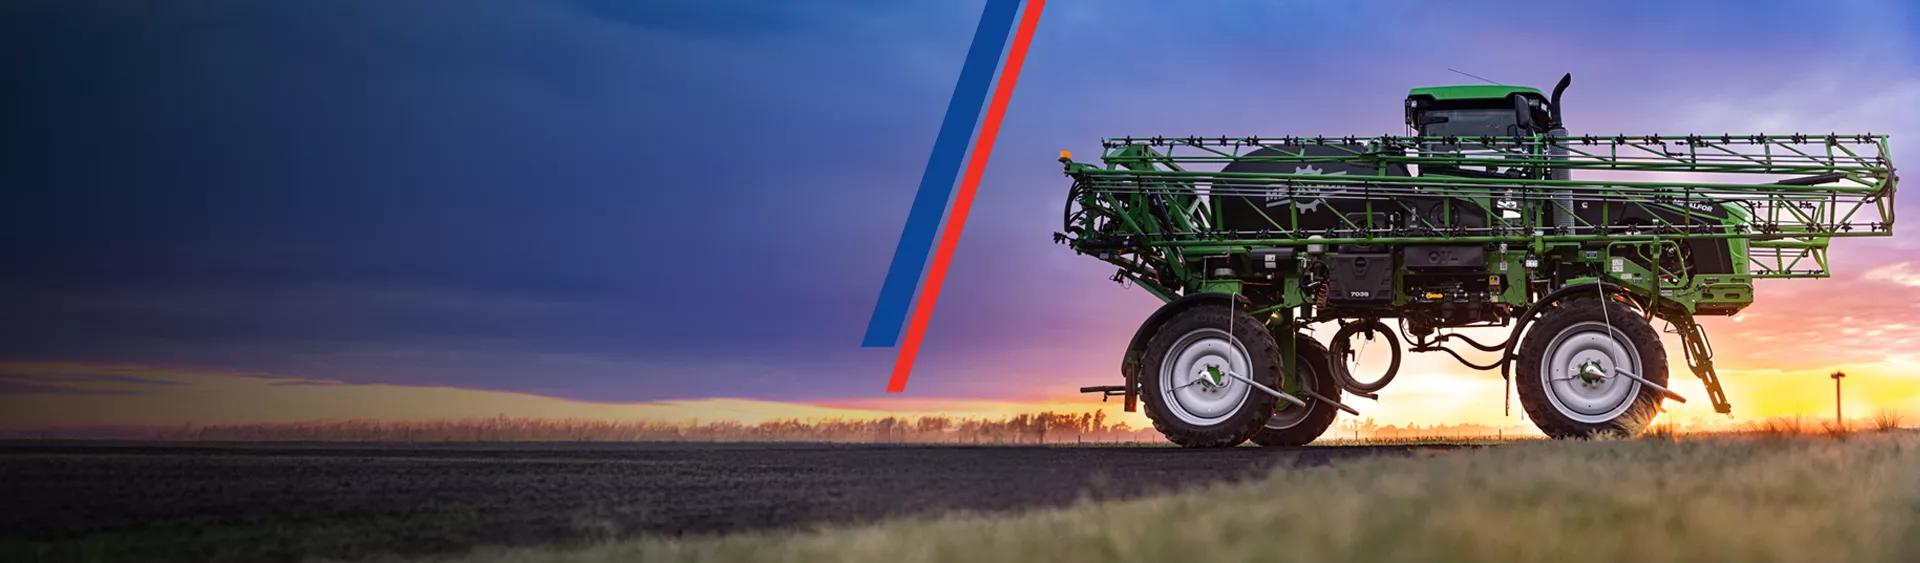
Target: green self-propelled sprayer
{"type": "Point", "coordinates": [1486, 214]}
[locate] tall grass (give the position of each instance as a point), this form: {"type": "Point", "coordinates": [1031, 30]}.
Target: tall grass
{"type": "Point", "coordinates": [1888, 421]}
{"type": "Point", "coordinates": [1796, 498]}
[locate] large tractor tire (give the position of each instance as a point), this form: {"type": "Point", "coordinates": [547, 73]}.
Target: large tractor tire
{"type": "Point", "coordinates": [1294, 425]}
{"type": "Point", "coordinates": [1182, 376]}
{"type": "Point", "coordinates": [1568, 376]}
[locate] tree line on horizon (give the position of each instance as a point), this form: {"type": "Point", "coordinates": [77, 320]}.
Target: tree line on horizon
{"type": "Point", "coordinates": [1028, 428]}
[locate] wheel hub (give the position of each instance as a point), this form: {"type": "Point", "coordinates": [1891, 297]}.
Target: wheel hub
{"type": "Point", "coordinates": [1210, 375]}
{"type": "Point", "coordinates": [1579, 375]}
{"type": "Point", "coordinates": [1590, 373]}
{"type": "Point", "coordinates": [1194, 377]}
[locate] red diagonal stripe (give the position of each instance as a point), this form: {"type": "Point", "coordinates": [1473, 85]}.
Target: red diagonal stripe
{"type": "Point", "coordinates": [963, 201]}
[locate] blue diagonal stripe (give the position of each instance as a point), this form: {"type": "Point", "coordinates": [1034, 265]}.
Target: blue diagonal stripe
{"type": "Point", "coordinates": [943, 166]}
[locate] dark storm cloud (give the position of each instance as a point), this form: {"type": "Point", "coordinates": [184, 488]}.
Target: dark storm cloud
{"type": "Point", "coordinates": [28, 388]}
{"type": "Point", "coordinates": [460, 195]}
{"type": "Point", "coordinates": [74, 385]}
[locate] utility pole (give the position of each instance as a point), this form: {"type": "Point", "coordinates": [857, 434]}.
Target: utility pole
{"type": "Point", "coordinates": [1838, 422]}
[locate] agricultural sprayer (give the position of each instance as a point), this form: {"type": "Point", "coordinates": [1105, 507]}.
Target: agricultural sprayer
{"type": "Point", "coordinates": [1486, 214]}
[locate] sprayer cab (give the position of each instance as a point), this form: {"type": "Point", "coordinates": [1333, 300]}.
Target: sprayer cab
{"type": "Point", "coordinates": [1484, 110]}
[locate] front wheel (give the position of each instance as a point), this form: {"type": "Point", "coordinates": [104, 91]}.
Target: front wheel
{"type": "Point", "coordinates": [1569, 374]}
{"type": "Point", "coordinates": [1186, 376]}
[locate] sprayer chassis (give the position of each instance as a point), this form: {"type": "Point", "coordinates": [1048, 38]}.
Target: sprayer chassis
{"type": "Point", "coordinates": [1441, 233]}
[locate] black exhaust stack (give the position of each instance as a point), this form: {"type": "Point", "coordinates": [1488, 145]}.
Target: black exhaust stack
{"type": "Point", "coordinates": [1555, 100]}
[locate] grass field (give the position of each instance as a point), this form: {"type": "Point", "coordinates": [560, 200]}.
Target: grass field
{"type": "Point", "coordinates": [1781, 498]}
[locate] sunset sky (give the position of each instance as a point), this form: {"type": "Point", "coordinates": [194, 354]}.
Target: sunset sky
{"type": "Point", "coordinates": [238, 211]}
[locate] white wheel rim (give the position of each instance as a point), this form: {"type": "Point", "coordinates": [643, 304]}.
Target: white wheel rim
{"type": "Point", "coordinates": [1583, 399]}
{"type": "Point", "coordinates": [1187, 387]}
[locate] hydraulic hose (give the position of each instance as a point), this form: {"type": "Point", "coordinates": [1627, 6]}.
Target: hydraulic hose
{"type": "Point", "coordinates": [1340, 350]}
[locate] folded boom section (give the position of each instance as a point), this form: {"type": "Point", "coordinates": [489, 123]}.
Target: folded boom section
{"type": "Point", "coordinates": [1777, 199]}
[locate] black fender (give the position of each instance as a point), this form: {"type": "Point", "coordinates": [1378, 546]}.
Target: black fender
{"type": "Point", "coordinates": [1130, 360]}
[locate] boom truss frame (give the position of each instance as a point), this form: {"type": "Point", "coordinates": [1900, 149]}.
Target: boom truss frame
{"type": "Point", "coordinates": [1154, 199]}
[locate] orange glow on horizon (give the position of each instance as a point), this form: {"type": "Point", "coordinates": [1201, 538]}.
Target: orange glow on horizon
{"type": "Point", "coordinates": [1773, 359]}
{"type": "Point", "coordinates": [148, 396]}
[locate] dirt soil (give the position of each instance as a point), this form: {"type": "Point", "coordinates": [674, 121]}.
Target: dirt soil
{"type": "Point", "coordinates": [259, 502]}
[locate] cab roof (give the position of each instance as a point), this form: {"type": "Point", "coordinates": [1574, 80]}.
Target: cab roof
{"type": "Point", "coordinates": [1472, 92]}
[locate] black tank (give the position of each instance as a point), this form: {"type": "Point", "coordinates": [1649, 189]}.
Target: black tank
{"type": "Point", "coordinates": [1322, 206]}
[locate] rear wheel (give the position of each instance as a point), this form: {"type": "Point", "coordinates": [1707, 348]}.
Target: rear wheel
{"type": "Point", "coordinates": [1185, 380]}
{"type": "Point", "coordinates": [1294, 425]}
{"type": "Point", "coordinates": [1569, 371]}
